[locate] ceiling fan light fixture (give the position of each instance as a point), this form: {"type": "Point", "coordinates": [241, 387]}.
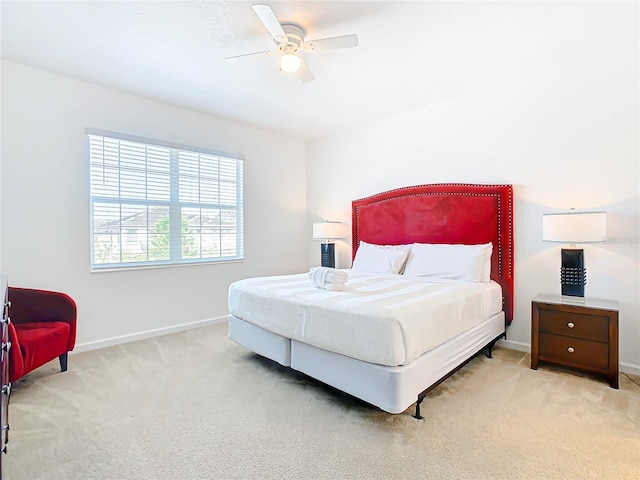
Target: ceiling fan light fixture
{"type": "Point", "coordinates": [289, 40]}
{"type": "Point", "coordinates": [289, 62]}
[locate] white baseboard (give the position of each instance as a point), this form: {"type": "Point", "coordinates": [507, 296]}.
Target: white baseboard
{"type": "Point", "coordinates": [519, 346]}
{"type": "Point", "coordinates": [525, 347]}
{"type": "Point", "coordinates": [630, 368]}
{"type": "Point", "coordinates": [109, 342]}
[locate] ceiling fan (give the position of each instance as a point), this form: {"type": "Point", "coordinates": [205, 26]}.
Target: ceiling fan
{"type": "Point", "coordinates": [290, 43]}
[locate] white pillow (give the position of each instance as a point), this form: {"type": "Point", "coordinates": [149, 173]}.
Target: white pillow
{"type": "Point", "coordinates": [453, 262]}
{"type": "Point", "coordinates": [380, 258]}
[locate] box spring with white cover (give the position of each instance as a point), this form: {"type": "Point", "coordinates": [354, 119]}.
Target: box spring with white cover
{"type": "Point", "coordinates": [392, 389]}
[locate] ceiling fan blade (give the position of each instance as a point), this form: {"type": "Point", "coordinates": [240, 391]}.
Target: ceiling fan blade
{"type": "Point", "coordinates": [304, 74]}
{"type": "Point", "coordinates": [343, 41]}
{"type": "Point", "coordinates": [268, 18]}
{"type": "Point", "coordinates": [237, 58]}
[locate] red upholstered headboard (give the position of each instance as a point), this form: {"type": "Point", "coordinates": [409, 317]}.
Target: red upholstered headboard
{"type": "Point", "coordinates": [443, 213]}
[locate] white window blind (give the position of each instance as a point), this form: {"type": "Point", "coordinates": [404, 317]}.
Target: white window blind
{"type": "Point", "coordinates": [153, 203]}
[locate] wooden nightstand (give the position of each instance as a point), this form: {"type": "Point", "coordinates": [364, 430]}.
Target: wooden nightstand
{"type": "Point", "coordinates": [580, 333]}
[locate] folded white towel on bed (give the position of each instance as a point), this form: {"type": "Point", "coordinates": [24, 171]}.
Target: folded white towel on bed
{"type": "Point", "coordinates": [328, 278]}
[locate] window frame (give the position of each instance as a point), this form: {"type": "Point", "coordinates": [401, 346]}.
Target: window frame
{"type": "Point", "coordinates": [174, 204]}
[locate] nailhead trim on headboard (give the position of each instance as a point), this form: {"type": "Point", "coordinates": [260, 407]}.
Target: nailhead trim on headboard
{"type": "Point", "coordinates": [500, 192]}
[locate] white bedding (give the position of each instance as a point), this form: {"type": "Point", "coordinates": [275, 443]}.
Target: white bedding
{"type": "Point", "coordinates": [382, 319]}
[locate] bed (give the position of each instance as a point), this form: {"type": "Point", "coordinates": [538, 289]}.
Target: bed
{"type": "Point", "coordinates": [389, 337]}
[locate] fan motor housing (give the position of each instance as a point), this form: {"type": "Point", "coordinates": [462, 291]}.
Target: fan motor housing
{"type": "Point", "coordinates": [295, 35]}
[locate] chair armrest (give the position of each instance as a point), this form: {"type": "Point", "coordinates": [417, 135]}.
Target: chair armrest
{"type": "Point", "coordinates": [31, 305]}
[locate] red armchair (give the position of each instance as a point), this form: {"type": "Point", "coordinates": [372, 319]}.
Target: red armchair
{"type": "Point", "coordinates": [43, 327]}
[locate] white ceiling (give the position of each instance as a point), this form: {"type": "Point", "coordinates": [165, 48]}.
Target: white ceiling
{"type": "Point", "coordinates": [411, 53]}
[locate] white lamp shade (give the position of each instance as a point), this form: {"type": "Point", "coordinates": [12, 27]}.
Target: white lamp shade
{"type": "Point", "coordinates": [327, 230]}
{"type": "Point", "coordinates": [574, 227]}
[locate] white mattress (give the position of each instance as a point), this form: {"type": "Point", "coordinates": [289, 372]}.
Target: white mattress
{"type": "Point", "coordinates": [382, 319]}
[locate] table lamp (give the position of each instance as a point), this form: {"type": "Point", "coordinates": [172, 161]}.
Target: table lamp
{"type": "Point", "coordinates": [574, 227]}
{"type": "Point", "coordinates": [327, 231]}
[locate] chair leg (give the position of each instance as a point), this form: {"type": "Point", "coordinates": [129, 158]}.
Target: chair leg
{"type": "Point", "coordinates": [63, 362]}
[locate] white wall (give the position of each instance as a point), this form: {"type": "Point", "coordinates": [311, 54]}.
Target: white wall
{"type": "Point", "coordinates": [565, 136]}
{"type": "Point", "coordinates": [45, 203]}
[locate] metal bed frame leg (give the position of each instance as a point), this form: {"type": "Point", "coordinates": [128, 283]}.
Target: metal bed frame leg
{"type": "Point", "coordinates": [417, 416]}
{"type": "Point", "coordinates": [489, 352]}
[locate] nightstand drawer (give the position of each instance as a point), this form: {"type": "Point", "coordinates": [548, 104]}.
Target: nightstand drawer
{"type": "Point", "coordinates": [577, 325]}
{"type": "Point", "coordinates": [574, 352]}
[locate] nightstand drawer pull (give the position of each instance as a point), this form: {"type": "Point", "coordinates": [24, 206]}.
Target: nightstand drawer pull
{"type": "Point", "coordinates": [571, 324]}
{"type": "Point", "coordinates": [571, 350]}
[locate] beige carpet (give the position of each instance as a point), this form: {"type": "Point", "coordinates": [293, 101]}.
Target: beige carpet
{"type": "Point", "coordinates": [195, 405]}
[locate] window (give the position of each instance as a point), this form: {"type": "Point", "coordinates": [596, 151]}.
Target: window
{"type": "Point", "coordinates": [153, 203]}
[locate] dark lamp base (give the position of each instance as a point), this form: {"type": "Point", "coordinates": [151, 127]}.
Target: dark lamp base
{"type": "Point", "coordinates": [328, 254]}
{"type": "Point", "coordinates": [573, 275]}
